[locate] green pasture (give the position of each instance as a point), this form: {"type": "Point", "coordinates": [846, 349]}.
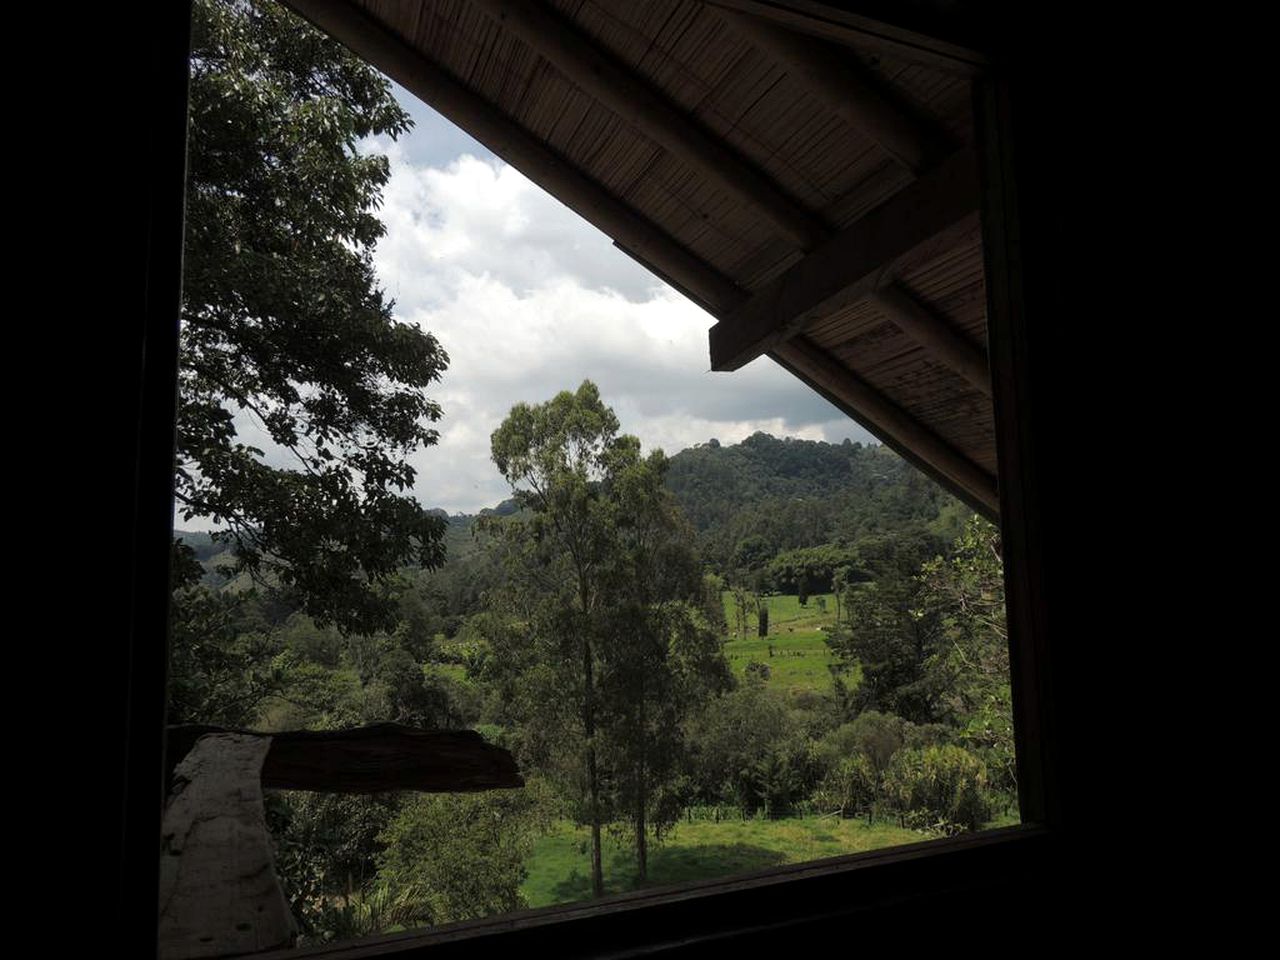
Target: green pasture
{"type": "Point", "coordinates": [795, 650]}
{"type": "Point", "coordinates": [559, 869]}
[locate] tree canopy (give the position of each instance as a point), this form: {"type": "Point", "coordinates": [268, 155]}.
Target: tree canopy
{"type": "Point", "coordinates": [284, 325]}
{"type": "Point", "coordinates": [612, 602]}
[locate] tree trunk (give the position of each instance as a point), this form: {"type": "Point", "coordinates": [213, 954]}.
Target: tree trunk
{"type": "Point", "coordinates": [597, 871]}
{"type": "Point", "coordinates": [589, 728]}
{"type": "Point", "coordinates": [593, 781]}
{"type": "Point", "coordinates": [642, 842]}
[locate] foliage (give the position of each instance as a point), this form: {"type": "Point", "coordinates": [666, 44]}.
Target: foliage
{"type": "Point", "coordinates": [891, 636]}
{"type": "Point", "coordinates": [873, 735]}
{"type": "Point", "coordinates": [809, 570]}
{"type": "Point", "coordinates": [376, 908]}
{"type": "Point", "coordinates": [749, 750]}
{"type": "Point", "coordinates": [941, 788]}
{"type": "Point", "coordinates": [407, 696]}
{"type": "Point", "coordinates": [745, 605]}
{"type": "Point", "coordinates": [751, 501]}
{"type": "Point", "coordinates": [757, 671]}
{"type": "Point", "coordinates": [850, 787]}
{"type": "Point", "coordinates": [309, 641]}
{"type": "Point", "coordinates": [283, 324]}
{"type": "Point", "coordinates": [613, 599]}
{"type": "Point", "coordinates": [896, 554]}
{"type": "Point", "coordinates": [712, 604]}
{"type": "Point", "coordinates": [459, 856]}
{"type": "Point", "coordinates": [223, 665]}
{"type": "Point", "coordinates": [966, 592]}
{"type": "Point", "coordinates": [325, 849]}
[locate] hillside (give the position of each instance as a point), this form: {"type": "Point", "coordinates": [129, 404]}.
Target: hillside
{"type": "Point", "coordinates": [752, 500]}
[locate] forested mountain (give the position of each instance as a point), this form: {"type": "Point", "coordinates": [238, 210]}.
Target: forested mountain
{"type": "Point", "coordinates": [712, 480]}
{"type": "Point", "coordinates": [753, 500]}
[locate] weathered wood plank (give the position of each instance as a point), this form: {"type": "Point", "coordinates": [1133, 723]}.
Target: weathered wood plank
{"type": "Point", "coordinates": [219, 893]}
{"type": "Point", "coordinates": [650, 111]}
{"type": "Point", "coordinates": [372, 759]}
{"type": "Point", "coordinates": [831, 78]}
{"type": "Point", "coordinates": [853, 29]}
{"type": "Point", "coordinates": [933, 333]}
{"type": "Point", "coordinates": [851, 265]}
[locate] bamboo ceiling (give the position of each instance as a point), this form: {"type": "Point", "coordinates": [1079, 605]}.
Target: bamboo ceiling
{"type": "Point", "coordinates": [808, 181]}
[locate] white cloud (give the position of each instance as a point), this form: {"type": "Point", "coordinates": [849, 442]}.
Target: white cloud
{"type": "Point", "coordinates": [528, 300]}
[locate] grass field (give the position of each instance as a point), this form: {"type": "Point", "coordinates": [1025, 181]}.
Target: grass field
{"type": "Point", "coordinates": [560, 866]}
{"type": "Point", "coordinates": [795, 650]}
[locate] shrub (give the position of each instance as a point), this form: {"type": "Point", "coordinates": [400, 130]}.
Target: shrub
{"type": "Point", "coordinates": [757, 670]}
{"type": "Point", "coordinates": [749, 750]}
{"type": "Point", "coordinates": [850, 787]}
{"type": "Point", "coordinates": [878, 736]}
{"type": "Point", "coordinates": [460, 856]}
{"type": "Point", "coordinates": [940, 788]}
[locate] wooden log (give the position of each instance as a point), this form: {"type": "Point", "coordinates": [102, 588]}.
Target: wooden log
{"type": "Point", "coordinates": [928, 214]}
{"type": "Point", "coordinates": [648, 110]}
{"type": "Point", "coordinates": [372, 759]}
{"type": "Point", "coordinates": [408, 66]}
{"type": "Point", "coordinates": [832, 78]}
{"type": "Point", "coordinates": [935, 335]}
{"type": "Point", "coordinates": [890, 422]}
{"type": "Point", "coordinates": [219, 893]}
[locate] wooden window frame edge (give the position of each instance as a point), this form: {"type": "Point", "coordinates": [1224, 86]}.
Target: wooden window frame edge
{"type": "Point", "coordinates": [709, 910]}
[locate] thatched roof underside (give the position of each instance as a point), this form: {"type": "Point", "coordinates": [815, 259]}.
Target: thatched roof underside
{"type": "Point", "coordinates": [810, 182]}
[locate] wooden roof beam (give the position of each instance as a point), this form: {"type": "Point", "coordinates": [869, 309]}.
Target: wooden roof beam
{"type": "Point", "coordinates": [884, 418]}
{"type": "Point", "coordinates": [935, 335]}
{"type": "Point", "coordinates": [852, 265]}
{"type": "Point", "coordinates": [421, 76]}
{"type": "Point", "coordinates": [649, 111]}
{"type": "Point", "coordinates": [834, 80]}
{"type": "Point", "coordinates": [849, 28]}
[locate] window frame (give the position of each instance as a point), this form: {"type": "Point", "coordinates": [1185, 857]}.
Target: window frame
{"type": "Point", "coordinates": [664, 920]}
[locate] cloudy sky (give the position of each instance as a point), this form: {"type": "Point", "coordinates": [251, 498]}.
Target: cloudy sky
{"type": "Point", "coordinates": [528, 299]}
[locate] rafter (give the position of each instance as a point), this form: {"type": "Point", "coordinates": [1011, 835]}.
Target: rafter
{"type": "Point", "coordinates": [851, 265]}
{"type": "Point", "coordinates": [889, 422]}
{"type": "Point", "coordinates": [649, 111]}
{"type": "Point", "coordinates": [935, 335]}
{"type": "Point", "coordinates": [849, 28]}
{"type": "Point", "coordinates": [833, 79]}
{"type": "Point", "coordinates": [508, 140]}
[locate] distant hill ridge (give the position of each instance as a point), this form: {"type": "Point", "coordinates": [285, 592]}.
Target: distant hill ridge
{"type": "Point", "coordinates": [713, 481]}
{"type": "Point", "coordinates": [721, 486]}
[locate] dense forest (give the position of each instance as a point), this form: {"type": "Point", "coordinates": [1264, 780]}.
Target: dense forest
{"type": "Point", "coordinates": [830, 644]}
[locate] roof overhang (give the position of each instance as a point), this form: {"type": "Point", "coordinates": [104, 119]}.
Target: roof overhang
{"type": "Point", "coordinates": [804, 174]}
